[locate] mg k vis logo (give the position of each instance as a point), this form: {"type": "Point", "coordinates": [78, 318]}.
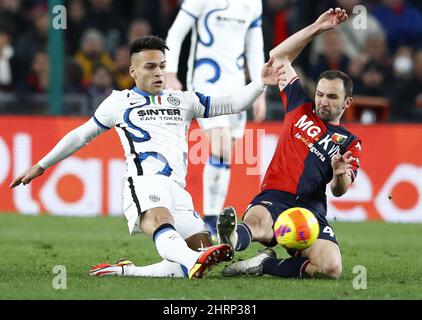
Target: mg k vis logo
{"type": "Point", "coordinates": [329, 143]}
{"type": "Point", "coordinates": [308, 126]}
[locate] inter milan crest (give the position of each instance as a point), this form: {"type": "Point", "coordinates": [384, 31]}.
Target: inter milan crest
{"type": "Point", "coordinates": [173, 101]}
{"type": "Point", "coordinates": [154, 198]}
{"type": "Point", "coordinates": [338, 138]}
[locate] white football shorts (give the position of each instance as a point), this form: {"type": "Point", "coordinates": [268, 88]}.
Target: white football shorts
{"type": "Point", "coordinates": [146, 192]}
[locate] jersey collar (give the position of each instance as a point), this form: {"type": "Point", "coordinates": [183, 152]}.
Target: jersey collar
{"type": "Point", "coordinates": [143, 93]}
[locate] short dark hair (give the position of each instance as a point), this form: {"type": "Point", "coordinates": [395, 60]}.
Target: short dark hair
{"type": "Point", "coordinates": [148, 43]}
{"type": "Point", "coordinates": [336, 74]}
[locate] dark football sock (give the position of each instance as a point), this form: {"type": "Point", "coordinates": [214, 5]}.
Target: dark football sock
{"type": "Point", "coordinates": [244, 237]}
{"type": "Point", "coordinates": [286, 268]}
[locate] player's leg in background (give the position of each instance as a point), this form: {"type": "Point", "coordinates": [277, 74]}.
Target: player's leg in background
{"type": "Point", "coordinates": [216, 175]}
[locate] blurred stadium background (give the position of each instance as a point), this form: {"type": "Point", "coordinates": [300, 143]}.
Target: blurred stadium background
{"type": "Point", "coordinates": [51, 80]}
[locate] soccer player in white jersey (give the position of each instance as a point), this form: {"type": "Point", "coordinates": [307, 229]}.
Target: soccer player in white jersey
{"type": "Point", "coordinates": [152, 124]}
{"type": "Point", "coordinates": [226, 36]}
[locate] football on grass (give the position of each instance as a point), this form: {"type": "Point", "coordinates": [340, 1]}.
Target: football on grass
{"type": "Point", "coordinates": [296, 228]}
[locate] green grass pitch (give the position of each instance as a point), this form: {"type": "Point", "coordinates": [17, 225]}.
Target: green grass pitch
{"type": "Point", "coordinates": [30, 247]}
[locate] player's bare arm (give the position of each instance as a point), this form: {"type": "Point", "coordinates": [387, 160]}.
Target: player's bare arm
{"type": "Point", "coordinates": [342, 173]}
{"type": "Point", "coordinates": [287, 51]}
{"type": "Point", "coordinates": [291, 47]}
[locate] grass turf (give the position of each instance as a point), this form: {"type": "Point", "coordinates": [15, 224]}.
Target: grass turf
{"type": "Point", "coordinates": [30, 247]}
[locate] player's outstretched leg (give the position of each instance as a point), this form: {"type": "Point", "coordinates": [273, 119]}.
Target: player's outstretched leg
{"type": "Point", "coordinates": [123, 267]}
{"type": "Point", "coordinates": [216, 180]}
{"type": "Point", "coordinates": [208, 259]}
{"type": "Point", "coordinates": [252, 266]}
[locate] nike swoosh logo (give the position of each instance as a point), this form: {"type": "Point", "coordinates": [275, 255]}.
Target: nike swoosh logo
{"type": "Point", "coordinates": [132, 103]}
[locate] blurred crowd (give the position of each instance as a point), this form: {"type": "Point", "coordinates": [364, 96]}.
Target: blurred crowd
{"type": "Point", "coordinates": [382, 53]}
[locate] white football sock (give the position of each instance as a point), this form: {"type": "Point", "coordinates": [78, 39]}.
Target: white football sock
{"type": "Point", "coordinates": [216, 181]}
{"type": "Point", "coordinates": [164, 268]}
{"type": "Point", "coordinates": [171, 246]}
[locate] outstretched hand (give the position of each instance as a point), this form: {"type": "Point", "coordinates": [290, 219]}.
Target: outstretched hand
{"type": "Point", "coordinates": [342, 164]}
{"type": "Point", "coordinates": [331, 18]}
{"type": "Point", "coordinates": [27, 176]}
{"type": "Point", "coordinates": [270, 74]}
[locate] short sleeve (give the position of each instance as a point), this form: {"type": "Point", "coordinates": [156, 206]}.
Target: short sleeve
{"type": "Point", "coordinates": [104, 116]}
{"type": "Point", "coordinates": [293, 95]}
{"type": "Point", "coordinates": [193, 8]}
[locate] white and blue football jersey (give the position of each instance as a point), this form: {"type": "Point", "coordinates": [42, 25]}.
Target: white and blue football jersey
{"type": "Point", "coordinates": [152, 129]}
{"type": "Point", "coordinates": [225, 35]}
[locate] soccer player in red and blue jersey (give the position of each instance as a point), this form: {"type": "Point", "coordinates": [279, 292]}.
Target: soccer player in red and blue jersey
{"type": "Point", "coordinates": [313, 150]}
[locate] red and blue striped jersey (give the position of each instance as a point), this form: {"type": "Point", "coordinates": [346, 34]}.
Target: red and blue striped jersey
{"type": "Point", "coordinates": [301, 164]}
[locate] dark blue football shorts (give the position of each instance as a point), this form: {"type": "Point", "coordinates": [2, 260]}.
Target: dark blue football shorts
{"type": "Point", "coordinates": [276, 202]}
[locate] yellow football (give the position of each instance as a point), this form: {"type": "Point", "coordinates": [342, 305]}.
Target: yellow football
{"type": "Point", "coordinates": [296, 228]}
